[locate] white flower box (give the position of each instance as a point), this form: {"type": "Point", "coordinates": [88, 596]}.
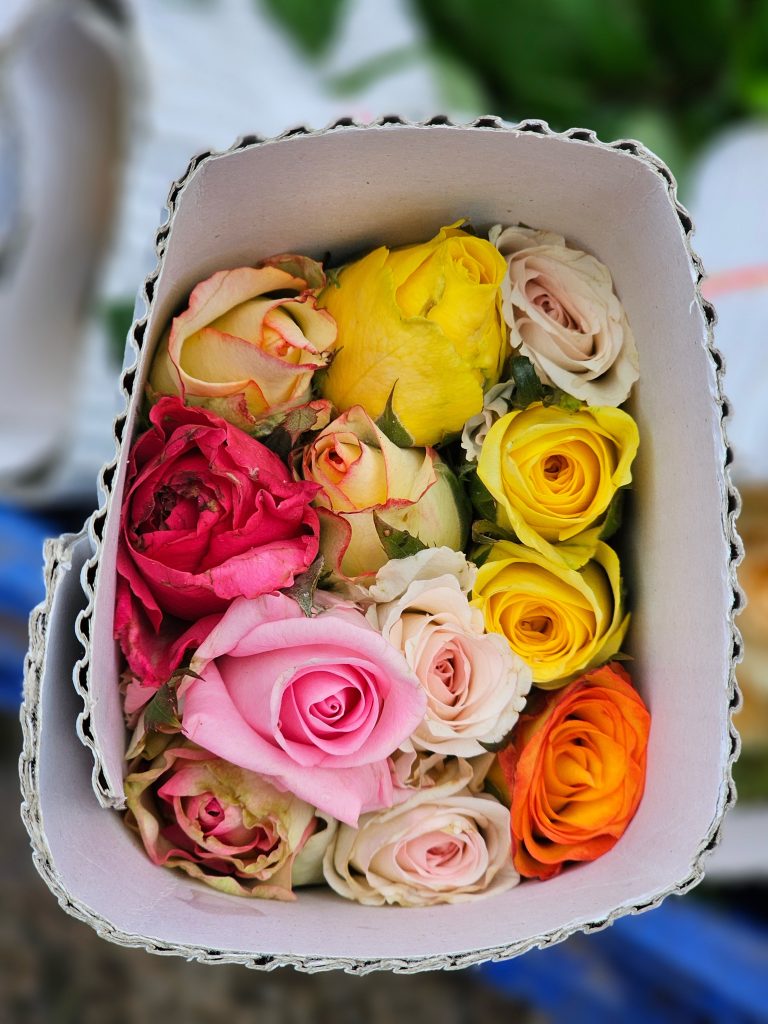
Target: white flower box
{"type": "Point", "coordinates": [347, 189]}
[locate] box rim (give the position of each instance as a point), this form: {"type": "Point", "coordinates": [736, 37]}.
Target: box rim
{"type": "Point", "coordinates": [97, 522]}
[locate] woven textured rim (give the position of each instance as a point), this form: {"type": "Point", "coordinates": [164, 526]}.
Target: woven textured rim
{"type": "Point", "coordinates": [58, 555]}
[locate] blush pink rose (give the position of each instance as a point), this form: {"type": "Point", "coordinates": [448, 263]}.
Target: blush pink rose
{"type": "Point", "coordinates": [209, 514]}
{"type": "Point", "coordinates": [225, 826]}
{"type": "Point", "coordinates": [315, 704]}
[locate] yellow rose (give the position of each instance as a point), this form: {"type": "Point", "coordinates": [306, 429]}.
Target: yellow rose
{"type": "Point", "coordinates": [559, 620]}
{"type": "Point", "coordinates": [421, 324]}
{"type": "Point", "coordinates": [554, 472]}
{"type": "Point", "coordinates": [363, 474]}
{"type": "Point", "coordinates": [248, 342]}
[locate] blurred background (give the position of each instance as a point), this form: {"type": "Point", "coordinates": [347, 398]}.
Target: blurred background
{"type": "Point", "coordinates": [102, 103]}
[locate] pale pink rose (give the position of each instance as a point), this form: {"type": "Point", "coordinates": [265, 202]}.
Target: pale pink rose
{"type": "Point", "coordinates": [443, 844]}
{"type": "Point", "coordinates": [475, 684]}
{"type": "Point", "coordinates": [249, 341]}
{"type": "Point", "coordinates": [316, 704]}
{"type": "Point", "coordinates": [362, 473]}
{"type": "Point", "coordinates": [219, 823]}
{"type": "Point", "coordinates": [564, 315]}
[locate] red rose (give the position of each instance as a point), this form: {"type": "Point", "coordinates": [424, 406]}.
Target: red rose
{"type": "Point", "coordinates": [209, 514]}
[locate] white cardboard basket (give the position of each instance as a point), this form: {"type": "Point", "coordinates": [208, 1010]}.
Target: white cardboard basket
{"type": "Point", "coordinates": [347, 189]}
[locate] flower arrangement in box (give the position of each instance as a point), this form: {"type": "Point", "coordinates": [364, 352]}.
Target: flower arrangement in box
{"type": "Point", "coordinates": [368, 603]}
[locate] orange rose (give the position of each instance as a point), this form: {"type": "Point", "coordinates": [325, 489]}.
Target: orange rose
{"type": "Point", "coordinates": [576, 772]}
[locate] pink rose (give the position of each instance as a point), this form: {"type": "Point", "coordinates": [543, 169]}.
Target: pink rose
{"type": "Point", "coordinates": [209, 514]}
{"type": "Point", "coordinates": [316, 704]}
{"type": "Point", "coordinates": [221, 824]}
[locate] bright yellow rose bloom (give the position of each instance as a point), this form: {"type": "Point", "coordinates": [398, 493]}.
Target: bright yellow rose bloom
{"type": "Point", "coordinates": [554, 472]}
{"type": "Point", "coordinates": [422, 324]}
{"type": "Point", "coordinates": [559, 620]}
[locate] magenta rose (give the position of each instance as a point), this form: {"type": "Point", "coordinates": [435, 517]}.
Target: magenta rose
{"type": "Point", "coordinates": [209, 514]}
{"type": "Point", "coordinates": [316, 704]}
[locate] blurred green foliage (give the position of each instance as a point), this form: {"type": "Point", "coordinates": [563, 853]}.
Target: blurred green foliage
{"type": "Point", "coordinates": [311, 23]}
{"type": "Point", "coordinates": [676, 70]}
{"type": "Point", "coordinates": [667, 71]}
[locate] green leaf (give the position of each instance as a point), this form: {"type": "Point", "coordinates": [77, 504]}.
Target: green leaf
{"type": "Point", "coordinates": [486, 532]}
{"type": "Point", "coordinates": [482, 500]}
{"type": "Point", "coordinates": [396, 543]}
{"type": "Point", "coordinates": [528, 387]}
{"type": "Point", "coordinates": [305, 584]}
{"type": "Point", "coordinates": [390, 425]}
{"type": "Point", "coordinates": [613, 516]}
{"type": "Point", "coordinates": [554, 396]}
{"type": "Point", "coordinates": [162, 712]}
{"type": "Point", "coordinates": [460, 499]}
{"type": "Point", "coordinates": [311, 24]}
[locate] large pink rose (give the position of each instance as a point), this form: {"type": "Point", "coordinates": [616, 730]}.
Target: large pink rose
{"type": "Point", "coordinates": [316, 704]}
{"type": "Point", "coordinates": [209, 514]}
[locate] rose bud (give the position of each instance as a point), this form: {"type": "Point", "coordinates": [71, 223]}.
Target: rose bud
{"type": "Point", "coordinates": [362, 474]}
{"type": "Point", "coordinates": [564, 316]}
{"type": "Point", "coordinates": [219, 823]}
{"type": "Point", "coordinates": [576, 771]}
{"type": "Point", "coordinates": [249, 341]}
{"type": "Point", "coordinates": [420, 325]}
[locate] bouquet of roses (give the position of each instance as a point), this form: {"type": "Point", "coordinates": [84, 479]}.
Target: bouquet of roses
{"type": "Point", "coordinates": [370, 618]}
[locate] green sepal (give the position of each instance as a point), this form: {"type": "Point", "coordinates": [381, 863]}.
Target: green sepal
{"type": "Point", "coordinates": [484, 531]}
{"type": "Point", "coordinates": [460, 499]}
{"type": "Point", "coordinates": [528, 387]}
{"type": "Point", "coordinates": [162, 712]}
{"type": "Point", "coordinates": [389, 424]}
{"type": "Point", "coordinates": [482, 500]}
{"type": "Point", "coordinates": [396, 543]}
{"type": "Point", "coordinates": [303, 588]}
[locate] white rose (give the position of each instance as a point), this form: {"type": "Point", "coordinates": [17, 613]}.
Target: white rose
{"type": "Point", "coordinates": [475, 684]}
{"type": "Point", "coordinates": [564, 316]}
{"type": "Point", "coordinates": [442, 845]}
{"type": "Point", "coordinates": [495, 405]}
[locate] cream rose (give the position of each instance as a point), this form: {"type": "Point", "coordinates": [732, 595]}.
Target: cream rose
{"type": "Point", "coordinates": [475, 684]}
{"type": "Point", "coordinates": [442, 845]}
{"type": "Point", "coordinates": [565, 317]}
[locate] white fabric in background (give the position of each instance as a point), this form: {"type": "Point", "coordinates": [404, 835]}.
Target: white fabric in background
{"type": "Point", "coordinates": [195, 76]}
{"type": "Point", "coordinates": [729, 204]}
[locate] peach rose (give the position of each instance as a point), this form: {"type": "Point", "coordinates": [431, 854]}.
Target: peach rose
{"type": "Point", "coordinates": [475, 684]}
{"type": "Point", "coordinates": [362, 475]}
{"type": "Point", "coordinates": [248, 342]}
{"type": "Point", "coordinates": [564, 315]}
{"type": "Point", "coordinates": [576, 772]}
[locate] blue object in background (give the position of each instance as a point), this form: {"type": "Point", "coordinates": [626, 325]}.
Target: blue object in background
{"type": "Point", "coordinates": [21, 587]}
{"type": "Point", "coordinates": [683, 963]}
